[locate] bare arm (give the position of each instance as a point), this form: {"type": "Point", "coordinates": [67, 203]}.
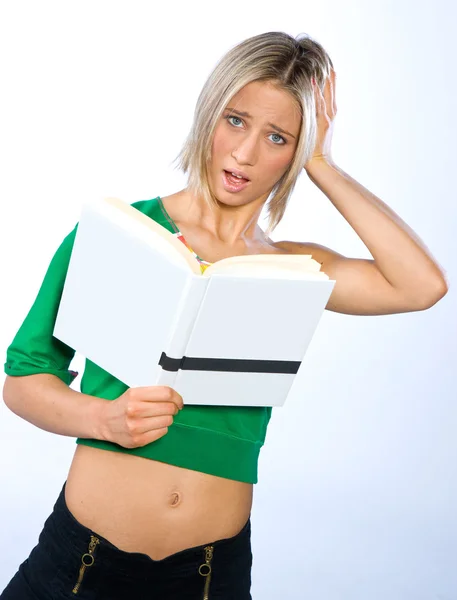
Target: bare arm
{"type": "Point", "coordinates": [47, 402]}
{"type": "Point", "coordinates": [402, 276]}
{"type": "Point", "coordinates": [139, 416]}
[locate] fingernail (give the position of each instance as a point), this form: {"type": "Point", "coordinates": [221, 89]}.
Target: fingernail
{"type": "Point", "coordinates": [313, 80]}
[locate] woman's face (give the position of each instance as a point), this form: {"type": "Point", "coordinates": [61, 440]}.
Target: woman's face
{"type": "Point", "coordinates": [257, 134]}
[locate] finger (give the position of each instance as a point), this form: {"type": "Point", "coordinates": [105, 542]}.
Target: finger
{"type": "Point", "coordinates": [153, 423]}
{"type": "Point", "coordinates": [153, 436]}
{"type": "Point", "coordinates": [328, 95]}
{"type": "Point", "coordinates": [333, 77]}
{"type": "Point", "coordinates": [157, 393]}
{"type": "Point", "coordinates": [154, 409]}
{"type": "Point", "coordinates": [317, 98]}
{"type": "Point", "coordinates": [163, 393]}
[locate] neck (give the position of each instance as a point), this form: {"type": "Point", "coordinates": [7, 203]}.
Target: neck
{"type": "Point", "coordinates": [227, 224]}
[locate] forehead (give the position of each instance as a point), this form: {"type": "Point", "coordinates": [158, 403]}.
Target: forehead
{"type": "Point", "coordinates": [265, 101]}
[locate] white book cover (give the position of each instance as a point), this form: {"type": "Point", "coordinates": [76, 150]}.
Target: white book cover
{"type": "Point", "coordinates": [264, 325]}
{"type": "Point", "coordinates": [135, 304]}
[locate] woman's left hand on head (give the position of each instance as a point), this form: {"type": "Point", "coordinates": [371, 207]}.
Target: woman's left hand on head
{"type": "Point", "coordinates": [325, 116]}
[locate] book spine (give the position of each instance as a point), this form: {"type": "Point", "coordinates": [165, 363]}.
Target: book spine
{"type": "Point", "coordinates": [182, 326]}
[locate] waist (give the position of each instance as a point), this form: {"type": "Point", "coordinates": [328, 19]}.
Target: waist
{"type": "Point", "coordinates": [143, 505]}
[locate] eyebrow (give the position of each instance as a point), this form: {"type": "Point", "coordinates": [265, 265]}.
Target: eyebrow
{"type": "Point", "coordinates": [246, 114]}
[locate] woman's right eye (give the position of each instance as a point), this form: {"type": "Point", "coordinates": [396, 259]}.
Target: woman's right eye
{"type": "Point", "coordinates": [228, 117]}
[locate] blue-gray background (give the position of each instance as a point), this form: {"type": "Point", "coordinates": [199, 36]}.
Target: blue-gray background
{"type": "Point", "coordinates": [358, 482]}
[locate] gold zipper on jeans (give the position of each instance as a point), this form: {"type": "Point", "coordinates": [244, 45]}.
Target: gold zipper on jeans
{"type": "Point", "coordinates": [206, 566]}
{"type": "Point", "coordinates": [87, 560]}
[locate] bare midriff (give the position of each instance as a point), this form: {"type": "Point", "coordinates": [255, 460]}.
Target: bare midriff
{"type": "Point", "coordinates": [142, 505]}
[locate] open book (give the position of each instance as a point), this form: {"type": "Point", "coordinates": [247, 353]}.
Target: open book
{"type": "Point", "coordinates": [136, 303]}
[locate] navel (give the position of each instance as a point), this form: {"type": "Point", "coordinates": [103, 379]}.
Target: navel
{"type": "Point", "coordinates": [175, 499]}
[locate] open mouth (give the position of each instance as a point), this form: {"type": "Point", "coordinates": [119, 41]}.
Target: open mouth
{"type": "Point", "coordinates": [236, 176]}
{"type": "Point", "coordinates": [233, 183]}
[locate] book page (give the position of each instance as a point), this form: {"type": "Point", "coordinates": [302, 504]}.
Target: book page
{"type": "Point", "coordinates": [277, 266]}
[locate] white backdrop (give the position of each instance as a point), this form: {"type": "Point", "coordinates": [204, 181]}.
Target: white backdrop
{"type": "Point", "coordinates": [357, 489]}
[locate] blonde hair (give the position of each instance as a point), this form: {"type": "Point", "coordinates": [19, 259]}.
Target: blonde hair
{"type": "Point", "coordinates": [289, 63]}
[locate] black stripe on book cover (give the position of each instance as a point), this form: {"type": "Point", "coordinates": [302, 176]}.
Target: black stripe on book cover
{"type": "Point", "coordinates": [189, 363]}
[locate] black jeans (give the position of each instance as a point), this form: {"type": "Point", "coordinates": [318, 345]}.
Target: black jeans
{"type": "Point", "coordinates": [72, 561]}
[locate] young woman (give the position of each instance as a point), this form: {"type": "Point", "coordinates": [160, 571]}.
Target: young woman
{"type": "Point", "coordinates": [157, 502]}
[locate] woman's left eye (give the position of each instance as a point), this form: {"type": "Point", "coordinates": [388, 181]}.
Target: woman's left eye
{"type": "Point", "coordinates": [283, 141]}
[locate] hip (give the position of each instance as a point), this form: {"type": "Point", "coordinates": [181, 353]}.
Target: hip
{"type": "Point", "coordinates": [73, 561]}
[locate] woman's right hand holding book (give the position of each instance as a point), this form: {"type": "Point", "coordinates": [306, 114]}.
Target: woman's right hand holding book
{"type": "Point", "coordinates": [139, 416]}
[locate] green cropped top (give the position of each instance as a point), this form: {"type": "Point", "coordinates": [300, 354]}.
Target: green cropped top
{"type": "Point", "coordinates": [219, 440]}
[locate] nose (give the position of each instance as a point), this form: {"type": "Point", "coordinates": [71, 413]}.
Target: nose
{"type": "Point", "coordinates": [246, 151]}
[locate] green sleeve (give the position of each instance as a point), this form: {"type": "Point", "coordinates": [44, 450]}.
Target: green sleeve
{"type": "Point", "coordinates": [34, 349]}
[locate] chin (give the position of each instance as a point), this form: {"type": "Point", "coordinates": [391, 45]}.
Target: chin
{"type": "Point", "coordinates": [229, 199]}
